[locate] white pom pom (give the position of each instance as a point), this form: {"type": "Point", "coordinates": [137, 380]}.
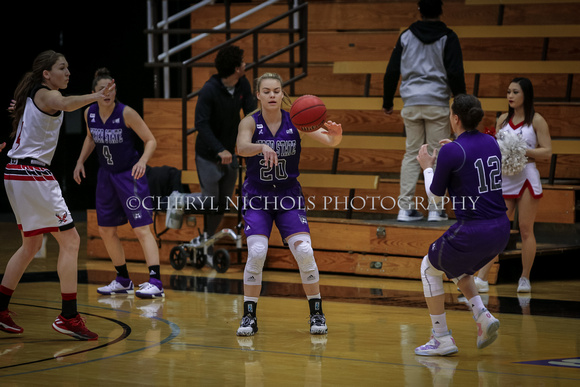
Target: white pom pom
{"type": "Point", "coordinates": [513, 151]}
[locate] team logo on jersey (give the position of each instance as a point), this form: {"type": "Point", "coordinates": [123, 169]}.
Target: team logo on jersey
{"type": "Point", "coordinates": [92, 115]}
{"type": "Point", "coordinates": [117, 121]}
{"type": "Point", "coordinates": [303, 219]}
{"type": "Point", "coordinates": [62, 218]}
{"type": "Point", "coordinates": [247, 227]}
{"type": "Point", "coordinates": [136, 215]}
{"type": "Point", "coordinates": [289, 131]}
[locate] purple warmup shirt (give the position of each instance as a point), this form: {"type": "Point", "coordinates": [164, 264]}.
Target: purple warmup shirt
{"type": "Point", "coordinates": [286, 143]}
{"type": "Point", "coordinates": [470, 167]}
{"type": "Point", "coordinates": [115, 142]}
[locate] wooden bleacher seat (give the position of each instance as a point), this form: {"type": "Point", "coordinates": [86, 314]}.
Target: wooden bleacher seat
{"type": "Point", "coordinates": [317, 180]}
{"type": "Point", "coordinates": [473, 67]}
{"type": "Point", "coordinates": [376, 103]}
{"type": "Point", "coordinates": [514, 2]}
{"type": "Point", "coordinates": [517, 31]}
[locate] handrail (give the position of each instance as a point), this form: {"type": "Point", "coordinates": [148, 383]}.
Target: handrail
{"type": "Point", "coordinates": [183, 13]}
{"type": "Point", "coordinates": [189, 42]}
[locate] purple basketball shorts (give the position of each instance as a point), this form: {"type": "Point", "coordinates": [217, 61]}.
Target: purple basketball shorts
{"type": "Point", "coordinates": [261, 207]}
{"type": "Point", "coordinates": [468, 245]}
{"type": "Point", "coordinates": [121, 198]}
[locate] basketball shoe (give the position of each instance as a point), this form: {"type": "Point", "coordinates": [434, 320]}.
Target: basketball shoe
{"type": "Point", "coordinates": [524, 285]}
{"type": "Point", "coordinates": [437, 216]}
{"type": "Point", "coordinates": [116, 287]}
{"type": "Point", "coordinates": [438, 346]}
{"type": "Point", "coordinates": [248, 326]}
{"type": "Point", "coordinates": [74, 327]}
{"type": "Point", "coordinates": [318, 324]}
{"type": "Point", "coordinates": [487, 327]}
{"type": "Point", "coordinates": [7, 324]}
{"type": "Point", "coordinates": [409, 216]}
{"type": "Point", "coordinates": [151, 289]}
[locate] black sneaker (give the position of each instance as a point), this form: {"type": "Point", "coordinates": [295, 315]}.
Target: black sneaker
{"type": "Point", "coordinates": [248, 326]}
{"type": "Point", "coordinates": [318, 324]}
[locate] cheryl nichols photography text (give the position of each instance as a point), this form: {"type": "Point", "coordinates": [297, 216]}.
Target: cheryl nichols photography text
{"type": "Point", "coordinates": [325, 203]}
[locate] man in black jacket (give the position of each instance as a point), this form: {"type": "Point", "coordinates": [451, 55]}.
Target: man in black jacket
{"type": "Point", "coordinates": [217, 115]}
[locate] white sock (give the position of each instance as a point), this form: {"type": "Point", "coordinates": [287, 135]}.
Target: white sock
{"type": "Point", "coordinates": [439, 324]}
{"type": "Point", "coordinates": [251, 299]}
{"type": "Point", "coordinates": [313, 296]}
{"type": "Point", "coordinates": [476, 305]}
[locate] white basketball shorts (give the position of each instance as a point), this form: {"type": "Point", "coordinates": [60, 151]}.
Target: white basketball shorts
{"type": "Point", "coordinates": [36, 200]}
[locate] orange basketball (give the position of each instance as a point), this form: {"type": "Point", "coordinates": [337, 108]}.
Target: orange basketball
{"type": "Point", "coordinates": [308, 113]}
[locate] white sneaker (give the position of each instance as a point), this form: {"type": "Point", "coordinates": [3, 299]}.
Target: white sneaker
{"type": "Point", "coordinates": [437, 216]}
{"type": "Point", "coordinates": [524, 285]}
{"type": "Point", "coordinates": [481, 285]}
{"type": "Point", "coordinates": [150, 289]}
{"type": "Point", "coordinates": [487, 327]}
{"type": "Point", "coordinates": [438, 346]}
{"type": "Point", "coordinates": [116, 288]}
{"type": "Point", "coordinates": [409, 216]}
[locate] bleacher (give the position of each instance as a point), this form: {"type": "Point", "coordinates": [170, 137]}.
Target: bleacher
{"type": "Point", "coordinates": [349, 44]}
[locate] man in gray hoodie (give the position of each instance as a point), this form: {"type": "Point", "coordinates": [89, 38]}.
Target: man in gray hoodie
{"type": "Point", "coordinates": [429, 61]}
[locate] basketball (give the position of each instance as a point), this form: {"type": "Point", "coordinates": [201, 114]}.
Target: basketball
{"type": "Point", "coordinates": [308, 113]}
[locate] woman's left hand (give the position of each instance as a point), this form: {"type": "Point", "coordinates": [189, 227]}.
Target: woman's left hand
{"type": "Point", "coordinates": [332, 128]}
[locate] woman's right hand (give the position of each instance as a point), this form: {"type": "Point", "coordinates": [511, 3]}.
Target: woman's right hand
{"type": "Point", "coordinates": [270, 156]}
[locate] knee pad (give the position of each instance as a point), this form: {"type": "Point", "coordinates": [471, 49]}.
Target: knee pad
{"type": "Point", "coordinates": [257, 251]}
{"type": "Point", "coordinates": [301, 248]}
{"type": "Point", "coordinates": [432, 279]}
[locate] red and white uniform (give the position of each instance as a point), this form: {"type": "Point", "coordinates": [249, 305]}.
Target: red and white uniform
{"type": "Point", "coordinates": [34, 193]}
{"type": "Point", "coordinates": [513, 186]}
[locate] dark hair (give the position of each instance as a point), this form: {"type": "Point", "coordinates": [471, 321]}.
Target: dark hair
{"type": "Point", "coordinates": [227, 59]}
{"type": "Point", "coordinates": [430, 8]}
{"type": "Point", "coordinates": [44, 61]}
{"type": "Point", "coordinates": [468, 108]}
{"type": "Point", "coordinates": [529, 111]}
{"type": "Point", "coordinates": [102, 73]}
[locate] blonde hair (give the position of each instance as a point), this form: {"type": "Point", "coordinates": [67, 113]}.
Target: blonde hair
{"type": "Point", "coordinates": [275, 76]}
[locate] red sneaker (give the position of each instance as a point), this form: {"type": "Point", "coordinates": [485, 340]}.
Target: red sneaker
{"type": "Point", "coordinates": [74, 327]}
{"type": "Point", "coordinates": [7, 324]}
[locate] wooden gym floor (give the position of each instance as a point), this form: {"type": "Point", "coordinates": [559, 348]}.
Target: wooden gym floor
{"type": "Point", "coordinates": [188, 338]}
